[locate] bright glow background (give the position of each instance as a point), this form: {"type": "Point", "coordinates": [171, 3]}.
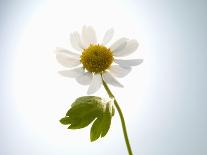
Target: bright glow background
{"type": "Point", "coordinates": [164, 99]}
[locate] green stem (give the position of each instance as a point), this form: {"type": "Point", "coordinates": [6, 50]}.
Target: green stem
{"type": "Point", "coordinates": [120, 115]}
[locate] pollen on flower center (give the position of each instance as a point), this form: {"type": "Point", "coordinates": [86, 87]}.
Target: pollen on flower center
{"type": "Point", "coordinates": [96, 58]}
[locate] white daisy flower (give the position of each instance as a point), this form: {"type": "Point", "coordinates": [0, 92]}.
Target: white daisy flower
{"type": "Point", "coordinates": [96, 60]}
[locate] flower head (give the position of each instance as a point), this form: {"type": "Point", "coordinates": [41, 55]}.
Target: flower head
{"type": "Point", "coordinates": [96, 58]}
{"type": "Point", "coordinates": [96, 61]}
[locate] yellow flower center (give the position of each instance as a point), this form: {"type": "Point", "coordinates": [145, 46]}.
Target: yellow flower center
{"type": "Point", "coordinates": [96, 58]}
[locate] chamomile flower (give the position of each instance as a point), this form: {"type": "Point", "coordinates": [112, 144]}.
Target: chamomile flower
{"type": "Point", "coordinates": [97, 60]}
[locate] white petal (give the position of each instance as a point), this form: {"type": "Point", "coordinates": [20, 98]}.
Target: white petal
{"type": "Point", "coordinates": [67, 61]}
{"type": "Point", "coordinates": [128, 63]}
{"type": "Point", "coordinates": [84, 78]}
{"type": "Point", "coordinates": [129, 49]}
{"type": "Point", "coordinates": [118, 45]}
{"type": "Point", "coordinates": [84, 36]}
{"type": "Point", "coordinates": [119, 71]}
{"type": "Point", "coordinates": [95, 84]}
{"type": "Point", "coordinates": [66, 52]}
{"type": "Point", "coordinates": [75, 41]}
{"type": "Point", "coordinates": [88, 36]}
{"type": "Point", "coordinates": [72, 73]}
{"type": "Point", "coordinates": [108, 78]}
{"type": "Point", "coordinates": [108, 36]}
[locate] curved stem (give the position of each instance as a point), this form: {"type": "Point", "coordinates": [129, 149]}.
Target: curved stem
{"type": "Point", "coordinates": [120, 115]}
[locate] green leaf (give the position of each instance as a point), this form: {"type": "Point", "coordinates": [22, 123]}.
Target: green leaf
{"type": "Point", "coordinates": [84, 121]}
{"type": "Point", "coordinates": [79, 110]}
{"type": "Point", "coordinates": [95, 130]}
{"type": "Point", "coordinates": [92, 100]}
{"type": "Point", "coordinates": [101, 126]}
{"type": "Point", "coordinates": [65, 120]}
{"type": "Point", "coordinates": [84, 110]}
{"type": "Point", "coordinates": [106, 122]}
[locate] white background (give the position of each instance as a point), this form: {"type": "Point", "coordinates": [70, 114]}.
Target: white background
{"type": "Point", "coordinates": [164, 99]}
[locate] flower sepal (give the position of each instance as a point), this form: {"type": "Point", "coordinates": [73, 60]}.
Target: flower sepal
{"type": "Point", "coordinates": [87, 109]}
